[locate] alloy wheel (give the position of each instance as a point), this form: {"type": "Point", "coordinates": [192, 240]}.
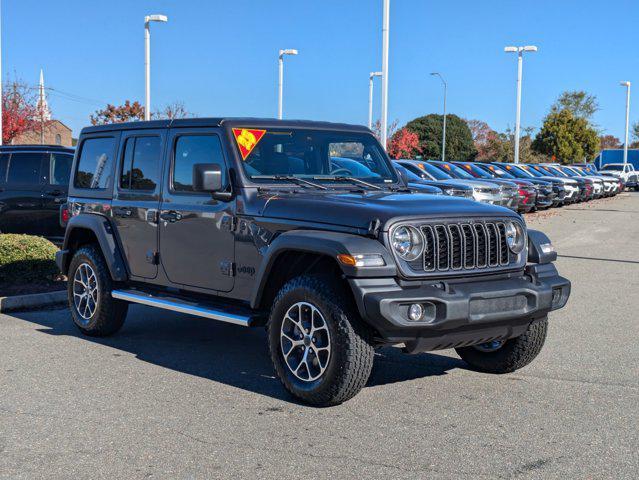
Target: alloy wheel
{"type": "Point", "coordinates": [85, 291]}
{"type": "Point", "coordinates": [305, 341]}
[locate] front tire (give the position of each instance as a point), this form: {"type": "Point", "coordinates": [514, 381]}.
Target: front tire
{"type": "Point", "coordinates": [512, 355]}
{"type": "Point", "coordinates": [320, 348]}
{"type": "Point", "coordinates": [94, 311]}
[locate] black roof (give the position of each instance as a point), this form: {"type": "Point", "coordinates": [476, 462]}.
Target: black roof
{"type": "Point", "coordinates": [36, 147]}
{"type": "Point", "coordinates": [230, 121]}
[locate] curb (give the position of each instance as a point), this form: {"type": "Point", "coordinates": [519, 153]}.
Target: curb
{"type": "Point", "coordinates": [23, 302]}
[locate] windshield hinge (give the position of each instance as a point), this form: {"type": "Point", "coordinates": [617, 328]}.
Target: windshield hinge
{"type": "Point", "coordinates": [373, 228]}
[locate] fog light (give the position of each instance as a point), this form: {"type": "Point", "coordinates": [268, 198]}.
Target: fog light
{"type": "Point", "coordinates": [416, 312]}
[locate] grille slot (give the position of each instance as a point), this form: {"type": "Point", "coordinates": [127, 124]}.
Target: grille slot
{"type": "Point", "coordinates": [443, 247]}
{"type": "Point", "coordinates": [466, 246]}
{"type": "Point", "coordinates": [429, 251]}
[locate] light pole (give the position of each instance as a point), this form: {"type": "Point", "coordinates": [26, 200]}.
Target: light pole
{"type": "Point", "coordinates": [625, 143]}
{"type": "Point", "coordinates": [520, 56]}
{"type": "Point", "coordinates": [437, 74]}
{"type": "Point", "coordinates": [147, 61]}
{"type": "Point", "coordinates": [385, 28]}
{"type": "Point", "coordinates": [370, 97]}
{"type": "Point", "coordinates": [280, 89]}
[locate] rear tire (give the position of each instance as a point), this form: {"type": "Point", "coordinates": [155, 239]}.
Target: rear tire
{"type": "Point", "coordinates": [514, 354]}
{"type": "Point", "coordinates": [94, 311]}
{"type": "Point", "coordinates": [320, 348]}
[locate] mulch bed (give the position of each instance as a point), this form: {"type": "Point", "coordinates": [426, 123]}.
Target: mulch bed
{"type": "Point", "coordinates": [9, 290]}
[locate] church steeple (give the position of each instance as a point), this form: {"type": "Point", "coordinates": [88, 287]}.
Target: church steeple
{"type": "Point", "coordinates": [43, 107]}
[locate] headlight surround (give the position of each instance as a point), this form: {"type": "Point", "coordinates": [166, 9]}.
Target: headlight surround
{"type": "Point", "coordinates": [407, 242]}
{"type": "Point", "coordinates": [515, 237]}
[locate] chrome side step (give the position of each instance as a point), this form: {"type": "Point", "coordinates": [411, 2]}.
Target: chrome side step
{"type": "Point", "coordinates": [182, 306]}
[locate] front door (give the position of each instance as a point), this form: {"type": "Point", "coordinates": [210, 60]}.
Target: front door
{"type": "Point", "coordinates": [196, 239]}
{"type": "Point", "coordinates": [136, 198]}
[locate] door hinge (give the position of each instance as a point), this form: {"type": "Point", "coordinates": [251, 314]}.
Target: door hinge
{"type": "Point", "coordinates": [152, 215]}
{"type": "Point", "coordinates": [227, 268]}
{"type": "Point", "coordinates": [229, 223]}
{"type": "Point", "coordinates": [153, 257]}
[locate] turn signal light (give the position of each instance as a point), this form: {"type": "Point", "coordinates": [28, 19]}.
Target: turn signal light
{"type": "Point", "coordinates": [362, 260]}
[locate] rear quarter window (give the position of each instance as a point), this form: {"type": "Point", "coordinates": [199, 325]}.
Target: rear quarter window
{"type": "Point", "coordinates": [95, 163]}
{"type": "Point", "coordinates": [24, 168]}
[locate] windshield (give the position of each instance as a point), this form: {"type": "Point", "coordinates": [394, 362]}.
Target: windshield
{"type": "Point", "coordinates": [555, 170]}
{"type": "Point", "coordinates": [617, 168]}
{"type": "Point", "coordinates": [312, 154]}
{"type": "Point", "coordinates": [499, 171]}
{"type": "Point", "coordinates": [475, 171]}
{"type": "Point", "coordinates": [408, 175]}
{"type": "Point", "coordinates": [527, 170]}
{"type": "Point", "coordinates": [454, 171]}
{"type": "Point", "coordinates": [434, 172]}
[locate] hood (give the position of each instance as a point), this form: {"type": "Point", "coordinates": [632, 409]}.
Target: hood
{"type": "Point", "coordinates": [359, 209]}
{"type": "Point", "coordinates": [565, 181]}
{"type": "Point", "coordinates": [500, 181]}
{"type": "Point", "coordinates": [476, 183]}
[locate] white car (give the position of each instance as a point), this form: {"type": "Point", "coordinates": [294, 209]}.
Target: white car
{"type": "Point", "coordinates": [625, 171]}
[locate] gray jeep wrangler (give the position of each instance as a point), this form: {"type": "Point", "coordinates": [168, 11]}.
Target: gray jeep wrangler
{"type": "Point", "coordinates": [304, 228]}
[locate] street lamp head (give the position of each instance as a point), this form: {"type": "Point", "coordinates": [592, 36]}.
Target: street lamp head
{"type": "Point", "coordinates": [288, 51]}
{"type": "Point", "coordinates": [156, 18]}
{"type": "Point", "coordinates": [625, 84]}
{"type": "Point", "coordinates": [375, 74]}
{"type": "Point", "coordinates": [529, 48]}
{"type": "Point", "coordinates": [511, 49]}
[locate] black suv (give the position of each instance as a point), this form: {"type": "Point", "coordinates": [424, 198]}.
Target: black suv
{"type": "Point", "coordinates": [305, 228]}
{"type": "Point", "coordinates": [33, 185]}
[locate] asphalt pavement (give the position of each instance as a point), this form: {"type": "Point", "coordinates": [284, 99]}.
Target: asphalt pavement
{"type": "Point", "coordinates": [176, 397]}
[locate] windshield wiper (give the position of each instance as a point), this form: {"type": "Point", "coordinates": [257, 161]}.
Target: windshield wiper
{"type": "Point", "coordinates": [354, 180]}
{"type": "Point", "coordinates": [290, 178]}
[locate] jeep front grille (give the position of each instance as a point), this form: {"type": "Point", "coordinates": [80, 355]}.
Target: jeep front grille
{"type": "Point", "coordinates": [465, 246]}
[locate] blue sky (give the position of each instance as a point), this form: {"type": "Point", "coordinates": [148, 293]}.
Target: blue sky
{"type": "Point", "coordinates": [220, 57]}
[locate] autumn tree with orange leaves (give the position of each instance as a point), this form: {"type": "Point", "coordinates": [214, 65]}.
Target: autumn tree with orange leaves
{"type": "Point", "coordinates": [19, 110]}
{"type": "Point", "coordinates": [403, 144]}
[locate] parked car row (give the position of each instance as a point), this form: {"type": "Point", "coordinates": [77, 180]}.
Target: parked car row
{"type": "Point", "coordinates": [34, 184]}
{"type": "Point", "coordinates": [520, 187]}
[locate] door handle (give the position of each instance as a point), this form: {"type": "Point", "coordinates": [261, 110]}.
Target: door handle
{"type": "Point", "coordinates": [171, 216]}
{"type": "Point", "coordinates": [122, 212]}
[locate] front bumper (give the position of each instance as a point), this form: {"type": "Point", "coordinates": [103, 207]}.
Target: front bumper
{"type": "Point", "coordinates": [460, 313]}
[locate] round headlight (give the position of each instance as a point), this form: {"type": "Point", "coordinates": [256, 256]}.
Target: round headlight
{"type": "Point", "coordinates": [515, 237]}
{"type": "Point", "coordinates": [407, 242]}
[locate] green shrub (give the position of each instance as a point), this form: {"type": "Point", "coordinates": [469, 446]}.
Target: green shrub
{"type": "Point", "coordinates": [24, 259]}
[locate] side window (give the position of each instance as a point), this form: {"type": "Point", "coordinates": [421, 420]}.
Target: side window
{"type": "Point", "coordinates": [192, 149]}
{"type": "Point", "coordinates": [24, 168]}
{"type": "Point", "coordinates": [141, 163]}
{"type": "Point", "coordinates": [59, 168]}
{"type": "Point", "coordinates": [4, 161]}
{"type": "Point", "coordinates": [94, 165]}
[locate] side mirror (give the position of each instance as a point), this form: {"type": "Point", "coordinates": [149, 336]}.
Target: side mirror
{"type": "Point", "coordinates": [207, 177]}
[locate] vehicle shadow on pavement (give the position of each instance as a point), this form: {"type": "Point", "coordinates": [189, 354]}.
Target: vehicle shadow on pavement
{"type": "Point", "coordinates": [223, 353]}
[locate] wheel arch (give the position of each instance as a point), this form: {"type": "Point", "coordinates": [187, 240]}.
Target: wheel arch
{"type": "Point", "coordinates": [93, 229]}
{"type": "Point", "coordinates": [310, 251]}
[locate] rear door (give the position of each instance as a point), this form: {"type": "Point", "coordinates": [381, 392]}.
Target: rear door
{"type": "Point", "coordinates": [136, 198]}
{"type": "Point", "coordinates": [56, 173]}
{"type": "Point", "coordinates": [196, 238]}
{"type": "Point", "coordinates": [21, 197]}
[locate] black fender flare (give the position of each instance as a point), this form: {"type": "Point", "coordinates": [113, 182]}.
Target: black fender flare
{"type": "Point", "coordinates": [103, 231]}
{"type": "Point", "coordinates": [535, 252]}
{"type": "Point", "coordinates": [326, 243]}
